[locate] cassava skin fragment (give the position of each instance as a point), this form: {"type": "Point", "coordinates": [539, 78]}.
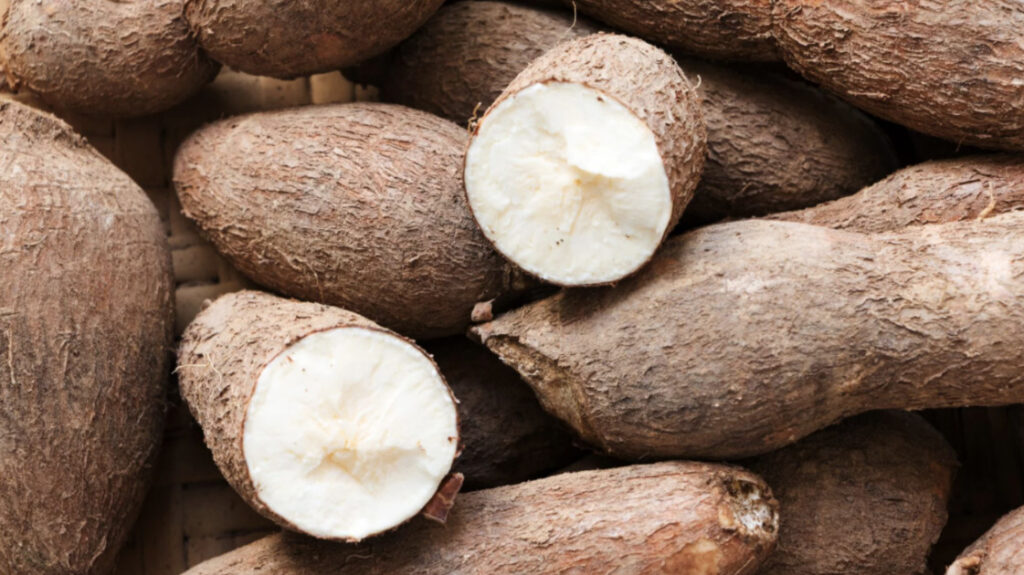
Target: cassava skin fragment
{"type": "Point", "coordinates": [863, 497]}
{"type": "Point", "coordinates": [355, 205]}
{"type": "Point", "coordinates": [86, 316]}
{"type": "Point", "coordinates": [301, 37]}
{"type": "Point", "coordinates": [673, 517]}
{"type": "Point", "coordinates": [100, 57]}
{"type": "Point", "coordinates": [717, 29]}
{"type": "Point", "coordinates": [322, 421]}
{"type": "Point", "coordinates": [948, 68]}
{"type": "Point", "coordinates": [741, 338]}
{"type": "Point", "coordinates": [586, 161]}
{"type": "Point", "coordinates": [1000, 551]}
{"type": "Point", "coordinates": [506, 436]}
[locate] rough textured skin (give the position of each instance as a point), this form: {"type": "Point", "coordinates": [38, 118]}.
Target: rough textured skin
{"type": "Point", "coordinates": [300, 37]}
{"type": "Point", "coordinates": [949, 68]}
{"type": "Point", "coordinates": [617, 66]}
{"type": "Point", "coordinates": [222, 354]}
{"type": "Point", "coordinates": [999, 552]}
{"type": "Point", "coordinates": [102, 57]}
{"type": "Point", "coordinates": [718, 29]}
{"type": "Point", "coordinates": [506, 436]}
{"type": "Point", "coordinates": [864, 497]}
{"type": "Point", "coordinates": [940, 191]}
{"type": "Point", "coordinates": [671, 517]}
{"type": "Point", "coordinates": [740, 338]}
{"type": "Point", "coordinates": [355, 205]}
{"type": "Point", "coordinates": [85, 334]}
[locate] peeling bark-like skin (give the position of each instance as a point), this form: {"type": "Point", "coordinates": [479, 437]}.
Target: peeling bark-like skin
{"type": "Point", "coordinates": [222, 354]}
{"type": "Point", "coordinates": [1000, 551]}
{"type": "Point", "coordinates": [864, 497]}
{"type": "Point", "coordinates": [355, 205]}
{"type": "Point", "coordinates": [86, 318]}
{"type": "Point", "coordinates": [674, 517]}
{"type": "Point", "coordinates": [741, 338]}
{"type": "Point", "coordinates": [647, 82]}
{"type": "Point", "coordinates": [717, 29]}
{"type": "Point", "coordinates": [506, 436]}
{"type": "Point", "coordinates": [948, 68]}
{"type": "Point", "coordinates": [940, 191]}
{"type": "Point", "coordinates": [301, 37]}
{"type": "Point", "coordinates": [101, 57]}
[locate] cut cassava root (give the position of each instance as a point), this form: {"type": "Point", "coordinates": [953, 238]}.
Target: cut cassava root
{"type": "Point", "coordinates": [355, 205]}
{"type": "Point", "coordinates": [662, 518]}
{"type": "Point", "coordinates": [999, 552]}
{"type": "Point", "coordinates": [85, 333]}
{"type": "Point", "coordinates": [586, 161]}
{"type": "Point", "coordinates": [321, 420]}
{"type": "Point", "coordinates": [741, 338]}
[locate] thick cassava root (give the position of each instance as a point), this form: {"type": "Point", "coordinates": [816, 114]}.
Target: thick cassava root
{"type": "Point", "coordinates": [355, 205]}
{"type": "Point", "coordinates": [585, 162]}
{"type": "Point", "coordinates": [661, 518]}
{"type": "Point", "coordinates": [103, 58]}
{"type": "Point", "coordinates": [85, 335]}
{"type": "Point", "coordinates": [741, 338]}
{"type": "Point", "coordinates": [303, 37]}
{"type": "Point", "coordinates": [322, 421]}
{"type": "Point", "coordinates": [999, 552]}
{"type": "Point", "coordinates": [863, 497]}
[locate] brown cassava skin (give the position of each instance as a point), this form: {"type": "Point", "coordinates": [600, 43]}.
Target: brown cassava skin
{"type": "Point", "coordinates": [741, 338]}
{"type": "Point", "coordinates": [673, 517]}
{"type": "Point", "coordinates": [940, 191]}
{"type": "Point", "coordinates": [863, 497]}
{"type": "Point", "coordinates": [616, 66]}
{"type": "Point", "coordinates": [301, 37]}
{"type": "Point", "coordinates": [506, 436]}
{"type": "Point", "coordinates": [948, 68]}
{"type": "Point", "coordinates": [717, 29]}
{"type": "Point", "coordinates": [1000, 551]}
{"type": "Point", "coordinates": [100, 57]}
{"type": "Point", "coordinates": [222, 354]}
{"type": "Point", "coordinates": [355, 205]}
{"type": "Point", "coordinates": [86, 318]}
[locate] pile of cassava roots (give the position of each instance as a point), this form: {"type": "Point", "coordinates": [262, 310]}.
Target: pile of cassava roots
{"type": "Point", "coordinates": [593, 287]}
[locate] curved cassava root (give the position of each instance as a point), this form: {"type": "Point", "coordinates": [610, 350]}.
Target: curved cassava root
{"type": "Point", "coordinates": [322, 421]}
{"type": "Point", "coordinates": [741, 338]}
{"type": "Point", "coordinates": [289, 39]}
{"type": "Point", "coordinates": [355, 205]}
{"type": "Point", "coordinates": [1000, 551]}
{"type": "Point", "coordinates": [663, 518]}
{"type": "Point", "coordinates": [85, 335]}
{"type": "Point", "coordinates": [100, 57]}
{"type": "Point", "coordinates": [863, 497]}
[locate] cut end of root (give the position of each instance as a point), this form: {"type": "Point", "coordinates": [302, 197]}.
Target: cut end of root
{"type": "Point", "coordinates": [754, 512]}
{"type": "Point", "coordinates": [569, 184]}
{"type": "Point", "coordinates": [349, 433]}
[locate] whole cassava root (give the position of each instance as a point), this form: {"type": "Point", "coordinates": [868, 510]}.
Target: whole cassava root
{"type": "Point", "coordinates": [100, 57]}
{"type": "Point", "coordinates": [85, 335]}
{"type": "Point", "coordinates": [998, 552]}
{"type": "Point", "coordinates": [865, 496]}
{"type": "Point", "coordinates": [292, 39]}
{"type": "Point", "coordinates": [506, 436]}
{"type": "Point", "coordinates": [949, 68]}
{"type": "Point", "coordinates": [322, 421]}
{"type": "Point", "coordinates": [741, 338]}
{"type": "Point", "coordinates": [355, 205]}
{"type": "Point", "coordinates": [662, 518]}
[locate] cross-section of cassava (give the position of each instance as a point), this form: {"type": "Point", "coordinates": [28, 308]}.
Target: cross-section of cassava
{"type": "Point", "coordinates": [321, 420]}
{"type": "Point", "coordinates": [355, 205]}
{"type": "Point", "coordinates": [85, 336]}
{"type": "Point", "coordinates": [741, 338]}
{"type": "Point", "coordinates": [999, 552]}
{"type": "Point", "coordinates": [671, 517]}
{"type": "Point", "coordinates": [864, 497]}
{"type": "Point", "coordinates": [103, 58]}
{"type": "Point", "coordinates": [586, 161]}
